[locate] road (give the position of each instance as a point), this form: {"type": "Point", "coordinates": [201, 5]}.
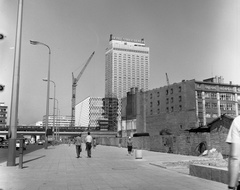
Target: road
{"type": "Point", "coordinates": [30, 148]}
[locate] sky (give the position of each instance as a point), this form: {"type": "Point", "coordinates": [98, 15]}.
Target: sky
{"type": "Point", "coordinates": [188, 39]}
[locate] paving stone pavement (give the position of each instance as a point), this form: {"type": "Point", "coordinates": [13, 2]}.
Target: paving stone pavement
{"type": "Point", "coordinates": [57, 168]}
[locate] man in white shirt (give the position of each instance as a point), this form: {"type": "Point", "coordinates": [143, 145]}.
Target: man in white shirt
{"type": "Point", "coordinates": [233, 139]}
{"type": "Point", "coordinates": [88, 141]}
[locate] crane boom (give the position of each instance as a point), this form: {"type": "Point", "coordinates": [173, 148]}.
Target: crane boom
{"type": "Point", "coordinates": [167, 79]}
{"type": "Point", "coordinates": [83, 69]}
{"type": "Point", "coordinates": [74, 85]}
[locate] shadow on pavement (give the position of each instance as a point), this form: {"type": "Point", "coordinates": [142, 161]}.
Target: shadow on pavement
{"type": "Point", "coordinates": [32, 160]}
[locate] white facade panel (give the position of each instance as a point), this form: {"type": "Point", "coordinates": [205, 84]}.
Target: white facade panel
{"type": "Point", "coordinates": [89, 112]}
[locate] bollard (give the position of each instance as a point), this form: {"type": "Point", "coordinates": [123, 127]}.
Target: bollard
{"type": "Point", "coordinates": [138, 154]}
{"type": "Point", "coordinates": [21, 153]}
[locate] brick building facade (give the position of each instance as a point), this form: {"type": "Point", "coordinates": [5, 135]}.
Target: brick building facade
{"type": "Point", "coordinates": [185, 105]}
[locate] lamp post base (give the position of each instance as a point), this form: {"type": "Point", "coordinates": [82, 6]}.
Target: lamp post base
{"type": "Point", "coordinates": [11, 152]}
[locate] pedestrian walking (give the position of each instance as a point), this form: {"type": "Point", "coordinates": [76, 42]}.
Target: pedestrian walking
{"type": "Point", "coordinates": [94, 142]}
{"type": "Point", "coordinates": [129, 145]}
{"type": "Point", "coordinates": [78, 143]}
{"type": "Point", "coordinates": [69, 142]}
{"type": "Point", "coordinates": [88, 141]}
{"type": "Point", "coordinates": [233, 139]}
{"type": "Point", "coordinates": [120, 143]}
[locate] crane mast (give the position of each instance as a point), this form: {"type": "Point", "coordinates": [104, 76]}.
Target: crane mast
{"type": "Point", "coordinates": [74, 85]}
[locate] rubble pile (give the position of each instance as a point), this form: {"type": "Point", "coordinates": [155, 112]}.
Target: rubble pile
{"type": "Point", "coordinates": [210, 157]}
{"type": "Point", "coordinates": [216, 158]}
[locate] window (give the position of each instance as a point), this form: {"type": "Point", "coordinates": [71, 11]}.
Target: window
{"type": "Point", "coordinates": [180, 107]}
{"type": "Point", "coordinates": [167, 101]}
{"type": "Point", "coordinates": [150, 96]}
{"type": "Point", "coordinates": [172, 109]}
{"type": "Point", "coordinates": [167, 109]}
{"type": "Point", "coordinates": [223, 106]}
{"type": "Point", "coordinates": [166, 92]}
{"type": "Point", "coordinates": [180, 98]}
{"type": "Point", "coordinates": [230, 97]}
{"type": "Point", "coordinates": [171, 91]}
{"type": "Point", "coordinates": [200, 104]}
{"type": "Point", "coordinates": [214, 105]}
{"type": "Point", "coordinates": [158, 94]}
{"type": "Point", "coordinates": [230, 107]}
{"type": "Point", "coordinates": [199, 94]}
{"type": "Point", "coordinates": [207, 105]}
{"type": "Point", "coordinates": [151, 104]}
{"type": "Point", "coordinates": [214, 95]}
{"type": "Point", "coordinates": [207, 95]}
{"type": "Point", "coordinates": [158, 103]}
{"type": "Point", "coordinates": [171, 99]}
{"type": "Point", "coordinates": [222, 96]}
{"type": "Point", "coordinates": [179, 89]}
{"type": "Point", "coordinates": [151, 112]}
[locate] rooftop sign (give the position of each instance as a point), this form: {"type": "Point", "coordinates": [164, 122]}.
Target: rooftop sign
{"type": "Point", "coordinates": [125, 39]}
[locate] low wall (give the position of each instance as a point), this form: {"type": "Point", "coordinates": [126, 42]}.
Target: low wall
{"type": "Point", "coordinates": [209, 172]}
{"type": "Point", "coordinates": [185, 144]}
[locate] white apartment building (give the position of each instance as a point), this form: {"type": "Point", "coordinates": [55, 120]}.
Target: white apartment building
{"type": "Point", "coordinates": [126, 66]}
{"type": "Point", "coordinates": [88, 112]}
{"type": "Point", "coordinates": [60, 120]}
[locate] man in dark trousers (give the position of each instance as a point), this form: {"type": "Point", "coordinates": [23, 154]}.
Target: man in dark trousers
{"type": "Point", "coordinates": [78, 143]}
{"type": "Point", "coordinates": [88, 141]}
{"type": "Point", "coordinates": [233, 139]}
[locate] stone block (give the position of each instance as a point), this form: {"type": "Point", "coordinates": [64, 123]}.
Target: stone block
{"type": "Point", "coordinates": [209, 172]}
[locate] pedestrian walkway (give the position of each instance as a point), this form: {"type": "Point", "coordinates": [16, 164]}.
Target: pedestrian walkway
{"type": "Point", "coordinates": [57, 168]}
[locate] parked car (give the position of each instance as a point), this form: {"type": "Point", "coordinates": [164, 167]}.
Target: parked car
{"type": "Point", "coordinates": [40, 142]}
{"type": "Point", "coordinates": [18, 145]}
{"type": "Point", "coordinates": [4, 144]}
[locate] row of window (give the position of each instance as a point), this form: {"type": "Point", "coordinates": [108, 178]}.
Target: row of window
{"type": "Point", "coordinates": [213, 105]}
{"type": "Point", "coordinates": [171, 90]}
{"type": "Point", "coordinates": [172, 99]}
{"type": "Point", "coordinates": [158, 103]}
{"type": "Point", "coordinates": [167, 92]}
{"type": "Point", "coordinates": [168, 109]}
{"type": "Point", "coordinates": [167, 101]}
{"type": "Point", "coordinates": [129, 50]}
{"type": "Point", "coordinates": [213, 95]}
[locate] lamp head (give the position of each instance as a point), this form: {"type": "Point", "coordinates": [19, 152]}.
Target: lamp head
{"type": "Point", "coordinates": [44, 79]}
{"type": "Point", "coordinates": [34, 42]}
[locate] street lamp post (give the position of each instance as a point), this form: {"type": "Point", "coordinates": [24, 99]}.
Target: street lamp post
{"type": "Point", "coordinates": [12, 133]}
{"type": "Point", "coordinates": [54, 118]}
{"type": "Point", "coordinates": [48, 87]}
{"type": "Point", "coordinates": [57, 131]}
{"type": "Point", "coordinates": [54, 97]}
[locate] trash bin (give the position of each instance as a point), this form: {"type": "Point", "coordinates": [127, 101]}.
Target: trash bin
{"type": "Point", "coordinates": [138, 154]}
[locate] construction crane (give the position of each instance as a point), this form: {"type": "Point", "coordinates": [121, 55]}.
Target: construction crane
{"type": "Point", "coordinates": [74, 85]}
{"type": "Point", "coordinates": [167, 79]}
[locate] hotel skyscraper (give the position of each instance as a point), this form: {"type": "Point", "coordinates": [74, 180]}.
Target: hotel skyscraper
{"type": "Point", "coordinates": [126, 66]}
